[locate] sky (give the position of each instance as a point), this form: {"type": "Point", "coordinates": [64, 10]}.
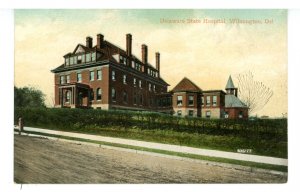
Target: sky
{"type": "Point", "coordinates": [206, 53]}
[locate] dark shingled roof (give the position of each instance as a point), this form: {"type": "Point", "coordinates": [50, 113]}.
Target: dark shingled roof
{"type": "Point", "coordinates": [186, 85]}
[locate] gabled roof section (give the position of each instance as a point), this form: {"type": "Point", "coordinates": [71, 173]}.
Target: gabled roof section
{"type": "Point", "coordinates": [82, 49]}
{"type": "Point", "coordinates": [229, 84]}
{"type": "Point", "coordinates": [233, 101]}
{"type": "Point", "coordinates": [186, 85]}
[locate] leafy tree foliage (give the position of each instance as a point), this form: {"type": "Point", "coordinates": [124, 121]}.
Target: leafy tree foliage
{"type": "Point", "coordinates": [29, 97]}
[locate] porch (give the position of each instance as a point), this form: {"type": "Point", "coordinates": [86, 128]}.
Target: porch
{"type": "Point", "coordinates": [74, 95]}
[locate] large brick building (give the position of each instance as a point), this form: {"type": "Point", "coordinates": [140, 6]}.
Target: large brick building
{"type": "Point", "coordinates": [104, 76]}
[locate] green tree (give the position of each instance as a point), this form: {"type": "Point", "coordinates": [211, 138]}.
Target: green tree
{"type": "Point", "coordinates": [29, 97]}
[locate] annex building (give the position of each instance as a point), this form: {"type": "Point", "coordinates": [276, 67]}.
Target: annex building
{"type": "Point", "coordinates": [104, 76]}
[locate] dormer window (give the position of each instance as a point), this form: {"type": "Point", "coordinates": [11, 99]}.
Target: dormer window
{"type": "Point", "coordinates": [71, 61]}
{"type": "Point", "coordinates": [67, 61]}
{"type": "Point", "coordinates": [88, 57]}
{"type": "Point", "coordinates": [94, 56]}
{"type": "Point", "coordinates": [83, 58]}
{"type": "Point", "coordinates": [75, 59]}
{"type": "Point", "coordinates": [123, 60]}
{"type": "Point", "coordinates": [79, 59]}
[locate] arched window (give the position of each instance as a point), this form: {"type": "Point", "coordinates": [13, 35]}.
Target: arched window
{"type": "Point", "coordinates": [113, 94]}
{"type": "Point", "coordinates": [99, 94]}
{"type": "Point", "coordinates": [125, 96]}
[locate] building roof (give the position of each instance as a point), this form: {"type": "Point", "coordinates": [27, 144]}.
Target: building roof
{"type": "Point", "coordinates": [229, 84]}
{"type": "Point", "coordinates": [186, 85]}
{"type": "Point", "coordinates": [214, 91]}
{"type": "Point", "coordinates": [107, 52]}
{"type": "Point", "coordinates": [233, 101]}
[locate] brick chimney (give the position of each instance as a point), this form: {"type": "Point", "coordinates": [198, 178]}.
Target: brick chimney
{"type": "Point", "coordinates": [157, 59]}
{"type": "Point", "coordinates": [144, 54]}
{"type": "Point", "coordinates": [100, 41]}
{"type": "Point", "coordinates": [128, 44]}
{"type": "Point", "coordinates": [89, 42]}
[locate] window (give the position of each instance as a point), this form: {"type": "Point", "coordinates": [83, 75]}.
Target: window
{"type": "Point", "coordinates": [179, 100]}
{"type": "Point", "coordinates": [191, 113]}
{"type": "Point", "coordinates": [136, 66]}
{"type": "Point", "coordinates": [154, 89]}
{"type": "Point", "coordinates": [67, 61]}
{"type": "Point", "coordinates": [92, 76]}
{"type": "Point", "coordinates": [241, 114]}
{"type": "Point", "coordinates": [124, 79]}
{"type": "Point", "coordinates": [207, 100]}
{"type": "Point", "coordinates": [207, 114]}
{"type": "Point", "coordinates": [202, 101]}
{"type": "Point", "coordinates": [141, 99]}
{"type": "Point", "coordinates": [123, 60]}
{"type": "Point", "coordinates": [214, 103]}
{"type": "Point", "coordinates": [75, 59]}
{"type": "Point", "coordinates": [79, 79]}
{"type": "Point", "coordinates": [99, 74]}
{"type": "Point", "coordinates": [79, 59]}
{"type": "Point", "coordinates": [191, 100]}
{"type": "Point", "coordinates": [68, 96]}
{"type": "Point", "coordinates": [71, 61]}
{"type": "Point", "coordinates": [113, 75]}
{"type": "Point", "coordinates": [88, 57]}
{"type": "Point", "coordinates": [113, 94]}
{"type": "Point", "coordinates": [83, 58]}
{"type": "Point", "coordinates": [62, 79]}
{"type": "Point", "coordinates": [226, 115]}
{"type": "Point", "coordinates": [179, 113]}
{"type": "Point", "coordinates": [99, 94]}
{"type": "Point", "coordinates": [68, 78]}
{"type": "Point", "coordinates": [134, 98]}
{"type": "Point", "coordinates": [94, 56]}
{"type": "Point", "coordinates": [140, 83]}
{"type": "Point", "coordinates": [125, 97]}
{"type": "Point", "coordinates": [149, 86]}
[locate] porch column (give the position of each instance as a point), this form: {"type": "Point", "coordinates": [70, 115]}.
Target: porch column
{"type": "Point", "coordinates": [72, 96]}
{"type": "Point", "coordinates": [61, 100]}
{"type": "Point", "coordinates": [75, 96]}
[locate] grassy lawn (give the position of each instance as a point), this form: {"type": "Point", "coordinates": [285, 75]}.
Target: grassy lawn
{"type": "Point", "coordinates": [224, 143]}
{"type": "Point", "coordinates": [200, 157]}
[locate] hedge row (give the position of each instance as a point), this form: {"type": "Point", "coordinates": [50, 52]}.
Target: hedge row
{"type": "Point", "coordinates": [73, 118]}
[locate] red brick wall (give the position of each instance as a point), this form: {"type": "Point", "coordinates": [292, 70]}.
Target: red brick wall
{"type": "Point", "coordinates": [185, 100]}
{"type": "Point", "coordinates": [233, 113]}
{"type": "Point", "coordinates": [129, 87]}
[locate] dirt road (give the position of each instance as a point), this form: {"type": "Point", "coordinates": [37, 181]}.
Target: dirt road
{"type": "Point", "coordinates": [46, 161]}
